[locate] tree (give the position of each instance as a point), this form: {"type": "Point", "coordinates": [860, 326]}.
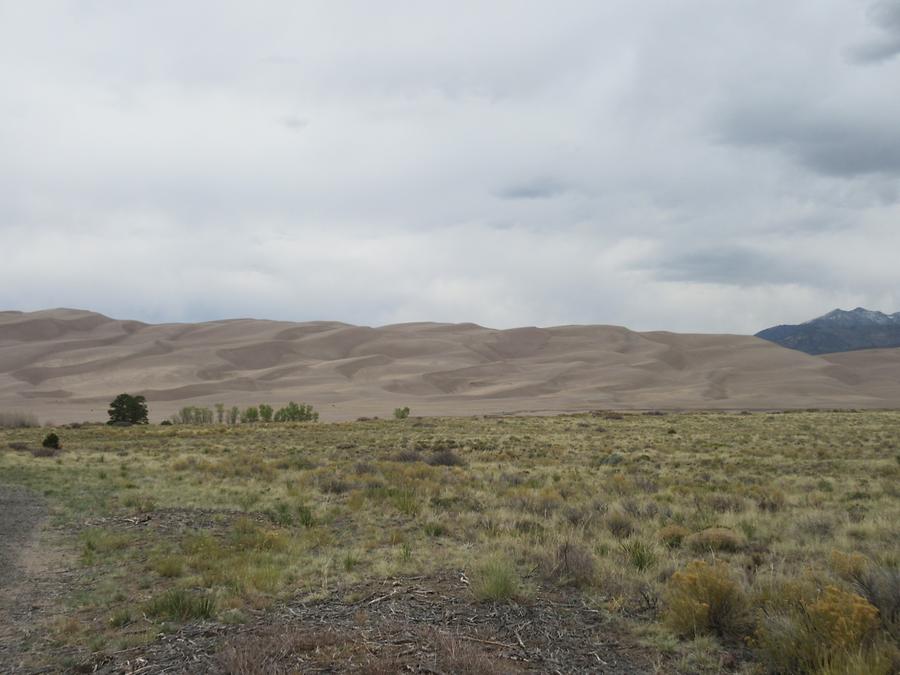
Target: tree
{"type": "Point", "coordinates": [265, 412]}
{"type": "Point", "coordinates": [296, 413]}
{"type": "Point", "coordinates": [192, 414]}
{"type": "Point", "coordinates": [220, 412]}
{"type": "Point", "coordinates": [128, 409]}
{"type": "Point", "coordinates": [234, 415]}
{"type": "Point", "coordinates": [51, 441]}
{"type": "Point", "coordinates": [250, 415]}
{"type": "Point", "coordinates": [401, 413]}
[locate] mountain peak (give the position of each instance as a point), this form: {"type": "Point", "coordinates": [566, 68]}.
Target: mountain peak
{"type": "Point", "coordinates": [858, 316]}
{"type": "Point", "coordinates": [839, 331]}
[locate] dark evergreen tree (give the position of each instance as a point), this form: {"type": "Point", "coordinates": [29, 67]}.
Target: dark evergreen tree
{"type": "Point", "coordinates": [128, 409]}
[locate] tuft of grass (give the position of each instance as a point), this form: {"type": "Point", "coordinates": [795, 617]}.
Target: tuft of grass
{"type": "Point", "coordinates": [639, 554]}
{"type": "Point", "coordinates": [120, 618]}
{"type": "Point", "coordinates": [433, 529]}
{"type": "Point", "coordinates": [179, 605]}
{"type": "Point", "coordinates": [496, 580]}
{"type": "Point", "coordinates": [305, 516]}
{"type": "Point", "coordinates": [169, 566]}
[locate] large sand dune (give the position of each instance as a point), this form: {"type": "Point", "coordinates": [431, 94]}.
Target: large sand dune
{"type": "Point", "coordinates": [66, 365]}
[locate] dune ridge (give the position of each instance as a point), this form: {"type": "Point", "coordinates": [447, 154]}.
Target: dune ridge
{"type": "Point", "coordinates": [67, 364]}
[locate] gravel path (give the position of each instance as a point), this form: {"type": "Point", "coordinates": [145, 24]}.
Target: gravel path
{"type": "Point", "coordinates": [20, 512]}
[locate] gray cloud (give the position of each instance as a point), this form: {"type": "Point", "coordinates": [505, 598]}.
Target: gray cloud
{"type": "Point", "coordinates": [537, 188]}
{"type": "Point", "coordinates": [508, 163]}
{"type": "Point", "coordinates": [830, 143]}
{"type": "Point", "coordinates": [886, 16]}
{"type": "Point", "coordinates": [738, 266]}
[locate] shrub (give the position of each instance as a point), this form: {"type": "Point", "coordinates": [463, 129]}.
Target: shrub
{"type": "Point", "coordinates": [671, 536]}
{"type": "Point", "coordinates": [179, 605]}
{"type": "Point", "coordinates": [881, 587]}
{"type": "Point", "coordinates": [819, 635]}
{"type": "Point", "coordinates": [496, 580]}
{"type": "Point", "coordinates": [770, 500]}
{"type": "Point", "coordinates": [408, 456]}
{"type": "Point", "coordinates": [570, 565]}
{"type": "Point", "coordinates": [845, 620]}
{"type": "Point", "coordinates": [619, 525]}
{"type": "Point", "coordinates": [51, 440]}
{"type": "Point", "coordinates": [446, 458]}
{"type": "Point", "coordinates": [849, 566]}
{"type": "Point", "coordinates": [716, 539]}
{"type": "Point", "coordinates": [401, 413]}
{"type": "Point", "coordinates": [704, 599]}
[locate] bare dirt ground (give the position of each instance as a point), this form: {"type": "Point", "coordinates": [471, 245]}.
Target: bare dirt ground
{"type": "Point", "coordinates": [416, 625]}
{"type": "Point", "coordinates": [21, 512]}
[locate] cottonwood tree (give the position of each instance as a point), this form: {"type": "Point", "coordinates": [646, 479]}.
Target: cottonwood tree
{"type": "Point", "coordinates": [293, 412]}
{"type": "Point", "coordinates": [265, 412]}
{"type": "Point", "coordinates": [234, 415]}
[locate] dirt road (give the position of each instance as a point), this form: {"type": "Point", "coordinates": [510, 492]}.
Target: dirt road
{"type": "Point", "coordinates": [20, 512]}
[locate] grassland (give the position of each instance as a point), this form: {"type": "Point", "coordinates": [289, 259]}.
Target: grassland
{"type": "Point", "coordinates": [703, 542]}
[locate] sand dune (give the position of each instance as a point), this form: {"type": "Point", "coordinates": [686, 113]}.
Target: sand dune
{"type": "Point", "coordinates": [67, 364]}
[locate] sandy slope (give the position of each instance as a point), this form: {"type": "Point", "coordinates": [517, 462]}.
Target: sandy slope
{"type": "Point", "coordinates": [67, 364]}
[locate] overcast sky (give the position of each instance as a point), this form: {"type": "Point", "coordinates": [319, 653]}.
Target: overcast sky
{"type": "Point", "coordinates": [697, 165]}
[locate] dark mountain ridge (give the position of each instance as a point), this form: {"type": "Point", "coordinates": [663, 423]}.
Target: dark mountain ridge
{"type": "Point", "coordinates": [839, 331]}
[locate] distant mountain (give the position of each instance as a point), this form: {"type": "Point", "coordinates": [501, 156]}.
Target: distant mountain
{"type": "Point", "coordinates": [839, 331]}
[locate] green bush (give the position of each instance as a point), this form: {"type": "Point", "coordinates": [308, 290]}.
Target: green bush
{"type": "Point", "coordinates": [401, 413]}
{"type": "Point", "coordinates": [51, 440]}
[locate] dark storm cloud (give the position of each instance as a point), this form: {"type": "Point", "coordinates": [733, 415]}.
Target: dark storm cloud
{"type": "Point", "coordinates": [737, 266]}
{"type": "Point", "coordinates": [828, 142]}
{"type": "Point", "coordinates": [886, 16]}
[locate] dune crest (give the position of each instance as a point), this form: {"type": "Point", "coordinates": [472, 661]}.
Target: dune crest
{"type": "Point", "coordinates": [66, 365]}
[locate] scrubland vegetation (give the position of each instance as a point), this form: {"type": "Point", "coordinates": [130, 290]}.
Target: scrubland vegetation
{"type": "Point", "coordinates": [747, 543]}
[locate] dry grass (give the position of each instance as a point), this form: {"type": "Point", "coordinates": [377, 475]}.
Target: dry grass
{"type": "Point", "coordinates": [763, 530]}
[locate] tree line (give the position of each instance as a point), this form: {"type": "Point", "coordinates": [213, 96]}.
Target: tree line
{"type": "Point", "coordinates": [264, 413]}
{"type": "Point", "coordinates": [126, 409]}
